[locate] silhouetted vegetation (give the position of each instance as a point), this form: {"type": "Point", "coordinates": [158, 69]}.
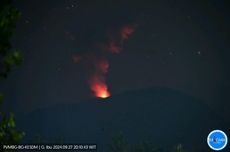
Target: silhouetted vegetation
{"type": "Point", "coordinates": [8, 132]}
{"type": "Point", "coordinates": [9, 57]}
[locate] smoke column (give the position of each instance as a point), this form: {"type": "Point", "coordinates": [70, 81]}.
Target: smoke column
{"type": "Point", "coordinates": [97, 62]}
{"type": "Point", "coordinates": [97, 79]}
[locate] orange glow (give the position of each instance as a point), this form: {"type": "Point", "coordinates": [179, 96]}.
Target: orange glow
{"type": "Point", "coordinates": [97, 62]}
{"type": "Point", "coordinates": [102, 66]}
{"type": "Point", "coordinates": [126, 32]}
{"type": "Point", "coordinates": [100, 89]}
{"type": "Point", "coordinates": [103, 94]}
{"type": "Point", "coordinates": [114, 48]}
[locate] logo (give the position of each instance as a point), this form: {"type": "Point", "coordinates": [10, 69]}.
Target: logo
{"type": "Point", "coordinates": [217, 140]}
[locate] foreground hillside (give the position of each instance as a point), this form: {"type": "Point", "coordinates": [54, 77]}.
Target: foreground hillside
{"type": "Point", "coordinates": [162, 116]}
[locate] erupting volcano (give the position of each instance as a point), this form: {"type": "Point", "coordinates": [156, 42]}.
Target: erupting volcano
{"type": "Point", "coordinates": [100, 90]}
{"type": "Point", "coordinates": [97, 62]}
{"type": "Point", "coordinates": [97, 78]}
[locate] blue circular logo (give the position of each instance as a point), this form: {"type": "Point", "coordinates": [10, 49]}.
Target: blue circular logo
{"type": "Point", "coordinates": [217, 140]}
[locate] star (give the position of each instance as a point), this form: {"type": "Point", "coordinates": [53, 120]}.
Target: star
{"type": "Point", "coordinates": [198, 52]}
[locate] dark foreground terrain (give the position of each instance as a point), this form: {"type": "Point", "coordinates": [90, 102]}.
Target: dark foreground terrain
{"type": "Point", "coordinates": [163, 117]}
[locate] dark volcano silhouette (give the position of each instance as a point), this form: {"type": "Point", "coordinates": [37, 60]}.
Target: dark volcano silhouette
{"type": "Point", "coordinates": [162, 116]}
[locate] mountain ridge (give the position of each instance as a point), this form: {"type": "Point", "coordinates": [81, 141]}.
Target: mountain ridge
{"type": "Point", "coordinates": [163, 116]}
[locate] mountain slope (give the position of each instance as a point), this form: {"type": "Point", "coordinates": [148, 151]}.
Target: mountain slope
{"type": "Point", "coordinates": [162, 116]}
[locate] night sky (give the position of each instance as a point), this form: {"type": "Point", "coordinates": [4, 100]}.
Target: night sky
{"type": "Point", "coordinates": [177, 44]}
{"type": "Point", "coordinates": [163, 63]}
